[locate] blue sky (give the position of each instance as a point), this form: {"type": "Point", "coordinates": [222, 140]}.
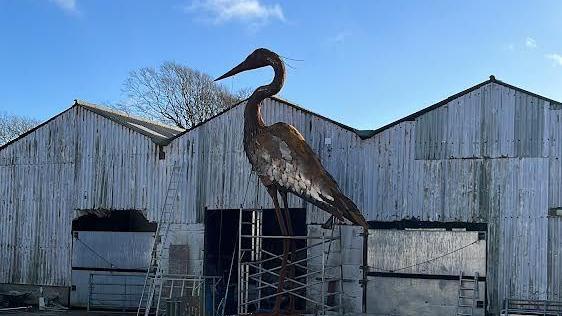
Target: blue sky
{"type": "Point", "coordinates": [365, 63]}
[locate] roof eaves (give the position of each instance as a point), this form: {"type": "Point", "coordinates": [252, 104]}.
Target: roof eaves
{"type": "Point", "coordinates": [169, 140]}
{"type": "Point", "coordinates": [432, 107]}
{"type": "Point", "coordinates": [122, 119]}
{"type": "Point", "coordinates": [538, 96]}
{"type": "Point", "coordinates": [363, 134]}
{"type": "Point", "coordinates": [492, 79]}
{"type": "Point", "coordinates": [127, 115]}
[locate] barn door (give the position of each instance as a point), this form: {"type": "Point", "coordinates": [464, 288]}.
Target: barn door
{"type": "Point", "coordinates": [110, 253]}
{"type": "Point", "coordinates": [417, 271]}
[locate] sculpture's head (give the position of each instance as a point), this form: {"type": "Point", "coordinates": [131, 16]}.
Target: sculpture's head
{"type": "Point", "coordinates": [261, 57]}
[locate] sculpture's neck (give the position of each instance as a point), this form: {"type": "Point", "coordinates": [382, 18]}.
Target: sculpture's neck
{"type": "Point", "coordinates": [253, 119]}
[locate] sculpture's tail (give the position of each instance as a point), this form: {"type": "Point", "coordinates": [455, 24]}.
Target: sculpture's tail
{"type": "Point", "coordinates": [349, 210]}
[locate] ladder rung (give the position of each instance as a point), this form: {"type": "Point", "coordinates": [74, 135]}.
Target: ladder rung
{"type": "Point", "coordinates": [160, 247]}
{"type": "Point", "coordinates": [467, 289]}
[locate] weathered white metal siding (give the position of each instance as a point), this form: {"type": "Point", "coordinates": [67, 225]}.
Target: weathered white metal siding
{"type": "Point", "coordinates": [77, 161]}
{"type": "Point", "coordinates": [518, 228]}
{"type": "Point", "coordinates": [555, 258]}
{"type": "Point", "coordinates": [36, 188]}
{"type": "Point", "coordinates": [555, 162]}
{"type": "Point", "coordinates": [115, 166]}
{"type": "Point", "coordinates": [403, 250]}
{"type": "Point", "coordinates": [483, 157]}
{"type": "Point", "coordinates": [493, 121]}
{"type": "Point", "coordinates": [219, 172]}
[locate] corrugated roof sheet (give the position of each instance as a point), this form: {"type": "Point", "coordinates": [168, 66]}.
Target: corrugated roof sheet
{"type": "Point", "coordinates": [164, 134]}
{"type": "Point", "coordinates": [158, 132]}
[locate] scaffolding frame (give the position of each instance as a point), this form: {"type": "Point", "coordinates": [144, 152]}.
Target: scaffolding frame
{"type": "Point", "coordinates": [311, 286]}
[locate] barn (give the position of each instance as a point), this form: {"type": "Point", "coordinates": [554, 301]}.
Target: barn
{"type": "Point", "coordinates": [466, 191]}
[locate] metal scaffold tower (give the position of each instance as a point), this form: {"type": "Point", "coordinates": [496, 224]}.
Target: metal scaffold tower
{"type": "Point", "coordinates": [315, 280]}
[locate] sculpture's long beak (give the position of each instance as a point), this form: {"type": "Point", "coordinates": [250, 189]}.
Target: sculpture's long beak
{"type": "Point", "coordinates": [238, 69]}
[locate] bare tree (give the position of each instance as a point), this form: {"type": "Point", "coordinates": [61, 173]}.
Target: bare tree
{"type": "Point", "coordinates": [176, 94]}
{"type": "Point", "coordinates": [12, 126]}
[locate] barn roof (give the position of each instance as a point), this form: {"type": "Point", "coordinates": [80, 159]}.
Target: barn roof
{"type": "Point", "coordinates": [164, 134]}
{"type": "Point", "coordinates": [158, 132]}
{"type": "Point", "coordinates": [439, 104]}
{"type": "Point", "coordinates": [365, 134]}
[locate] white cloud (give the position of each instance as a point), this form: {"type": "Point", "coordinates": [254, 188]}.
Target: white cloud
{"type": "Point", "coordinates": [339, 37]}
{"type": "Point", "coordinates": [556, 58]}
{"type": "Point", "coordinates": [530, 42]}
{"type": "Point", "coordinates": [67, 5]}
{"type": "Point", "coordinates": [245, 10]}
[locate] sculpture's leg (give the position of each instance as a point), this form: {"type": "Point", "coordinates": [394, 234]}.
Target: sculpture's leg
{"type": "Point", "coordinates": [293, 246]}
{"type": "Point", "coordinates": [273, 192]}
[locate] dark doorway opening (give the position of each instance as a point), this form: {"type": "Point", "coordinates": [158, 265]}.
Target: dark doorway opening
{"type": "Point", "coordinates": [113, 221]}
{"type": "Point", "coordinates": [221, 256]}
{"type": "Point", "coordinates": [221, 250]}
{"type": "Point", "coordinates": [110, 247]}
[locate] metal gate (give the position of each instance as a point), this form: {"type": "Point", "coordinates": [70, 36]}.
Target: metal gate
{"type": "Point", "coordinates": [318, 285]}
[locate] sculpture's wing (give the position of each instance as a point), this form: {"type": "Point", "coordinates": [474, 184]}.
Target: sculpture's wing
{"type": "Point", "coordinates": [292, 165]}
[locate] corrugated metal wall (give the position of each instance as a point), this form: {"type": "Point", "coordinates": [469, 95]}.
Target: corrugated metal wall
{"type": "Point", "coordinates": [400, 251]}
{"type": "Point", "coordinates": [35, 208]}
{"type": "Point", "coordinates": [78, 161]}
{"type": "Point", "coordinates": [483, 157]}
{"type": "Point", "coordinates": [219, 172]}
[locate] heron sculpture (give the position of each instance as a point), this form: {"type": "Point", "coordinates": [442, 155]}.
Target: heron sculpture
{"type": "Point", "coordinates": [284, 162]}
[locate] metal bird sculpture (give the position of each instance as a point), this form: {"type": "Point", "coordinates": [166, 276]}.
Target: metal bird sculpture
{"type": "Point", "coordinates": [283, 160]}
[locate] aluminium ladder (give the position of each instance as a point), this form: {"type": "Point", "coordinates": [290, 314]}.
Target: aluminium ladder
{"type": "Point", "coordinates": [468, 295]}
{"type": "Point", "coordinates": [154, 275]}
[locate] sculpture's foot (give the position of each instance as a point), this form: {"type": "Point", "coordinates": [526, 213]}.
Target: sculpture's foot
{"type": "Point", "coordinates": [329, 224]}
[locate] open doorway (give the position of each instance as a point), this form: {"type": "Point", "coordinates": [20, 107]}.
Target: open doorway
{"type": "Point", "coordinates": [110, 253]}
{"type": "Point", "coordinates": [221, 253]}
{"type": "Point", "coordinates": [222, 229]}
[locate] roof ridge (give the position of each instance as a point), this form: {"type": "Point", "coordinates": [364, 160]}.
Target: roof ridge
{"type": "Point", "coordinates": [363, 134]}
{"type": "Point", "coordinates": [87, 104]}
{"type": "Point", "coordinates": [366, 134]}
